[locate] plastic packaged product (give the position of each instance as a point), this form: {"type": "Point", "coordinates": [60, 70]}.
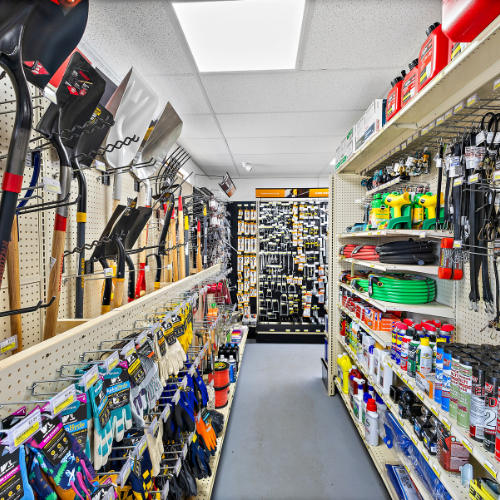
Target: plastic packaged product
{"type": "Point", "coordinates": [455, 373]}
{"type": "Point", "coordinates": [385, 375]}
{"type": "Point", "coordinates": [464, 391]}
{"type": "Point", "coordinates": [424, 357]}
{"type": "Point", "coordinates": [433, 55]}
{"type": "Point", "coordinates": [232, 369]}
{"type": "Point", "coordinates": [371, 423]}
{"type": "Point", "coordinates": [410, 84]}
{"type": "Point", "coordinates": [446, 382]}
{"type": "Point", "coordinates": [393, 104]}
{"type": "Point", "coordinates": [371, 391]}
{"type": "Point", "coordinates": [366, 398]}
{"type": "Point", "coordinates": [432, 345]}
{"type": "Point", "coordinates": [405, 343]}
{"type": "Point", "coordinates": [357, 402]}
{"type": "Point", "coordinates": [412, 355]}
{"type": "Point", "coordinates": [451, 453]}
{"type": "Point", "coordinates": [477, 403]}
{"type": "Point", "coordinates": [491, 384]}
{"type": "Point", "coordinates": [368, 341]}
{"type": "Point", "coordinates": [353, 385]}
{"type": "Point", "coordinates": [439, 369]}
{"type": "Point", "coordinates": [381, 408]}
{"type": "Point", "coordinates": [378, 351]}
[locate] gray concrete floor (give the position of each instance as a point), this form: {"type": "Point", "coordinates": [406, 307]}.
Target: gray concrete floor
{"type": "Point", "coordinates": [286, 439]}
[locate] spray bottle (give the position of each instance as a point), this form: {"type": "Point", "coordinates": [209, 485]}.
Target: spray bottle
{"type": "Point", "coordinates": [371, 423]}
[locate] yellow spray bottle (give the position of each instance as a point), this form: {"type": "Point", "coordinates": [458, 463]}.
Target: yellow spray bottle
{"type": "Point", "coordinates": [345, 365]}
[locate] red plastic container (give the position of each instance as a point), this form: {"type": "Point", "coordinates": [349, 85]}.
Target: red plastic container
{"type": "Point", "coordinates": [433, 55]}
{"type": "Point", "coordinates": [463, 20]}
{"type": "Point", "coordinates": [409, 88]}
{"type": "Point", "coordinates": [394, 97]}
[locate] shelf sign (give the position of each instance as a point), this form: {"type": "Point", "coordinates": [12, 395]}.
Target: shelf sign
{"type": "Point", "coordinates": [472, 100]}
{"type": "Point", "coordinates": [291, 193]}
{"type": "Point", "coordinates": [490, 468]}
{"type": "Point", "coordinates": [467, 444]}
{"type": "Point", "coordinates": [8, 344]}
{"type": "Point", "coordinates": [496, 84]}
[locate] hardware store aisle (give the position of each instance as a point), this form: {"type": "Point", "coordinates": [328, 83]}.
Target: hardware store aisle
{"type": "Point", "coordinates": [286, 439]}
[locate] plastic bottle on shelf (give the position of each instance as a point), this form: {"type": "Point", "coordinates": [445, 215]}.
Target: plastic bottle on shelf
{"type": "Point", "coordinates": [381, 408]}
{"type": "Point", "coordinates": [393, 103]}
{"type": "Point", "coordinates": [371, 360]}
{"type": "Point", "coordinates": [378, 351]}
{"type": "Point", "coordinates": [410, 84]}
{"type": "Point", "coordinates": [368, 341]}
{"type": "Point", "coordinates": [371, 423]}
{"type": "Point", "coordinates": [439, 369]}
{"type": "Point", "coordinates": [424, 357]}
{"type": "Point", "coordinates": [385, 380]}
{"type": "Point", "coordinates": [366, 398]}
{"type": "Point", "coordinates": [357, 401]}
{"type": "Point", "coordinates": [405, 343]}
{"type": "Point", "coordinates": [433, 55]}
{"type": "Point", "coordinates": [354, 374]}
{"type": "Point", "coordinates": [232, 369]}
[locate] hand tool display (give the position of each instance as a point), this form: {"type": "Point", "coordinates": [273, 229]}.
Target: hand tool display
{"type": "Point", "coordinates": [293, 260]}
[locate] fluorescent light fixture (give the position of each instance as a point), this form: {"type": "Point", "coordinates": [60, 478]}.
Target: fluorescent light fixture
{"type": "Point", "coordinates": [243, 35]}
{"type": "Point", "coordinates": [247, 166]}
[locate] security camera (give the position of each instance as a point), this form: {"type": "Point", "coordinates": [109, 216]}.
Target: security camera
{"type": "Point", "coordinates": [247, 166]}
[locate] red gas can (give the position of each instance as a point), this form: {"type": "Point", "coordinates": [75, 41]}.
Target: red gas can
{"type": "Point", "coordinates": [393, 104]}
{"type": "Point", "coordinates": [410, 84]}
{"type": "Point", "coordinates": [433, 55]}
{"type": "Point", "coordinates": [463, 20]}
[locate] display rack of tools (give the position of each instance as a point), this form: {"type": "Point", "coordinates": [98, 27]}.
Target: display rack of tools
{"type": "Point", "coordinates": [446, 140]}
{"type": "Point", "coordinates": [292, 269]}
{"type": "Point", "coordinates": [247, 259]}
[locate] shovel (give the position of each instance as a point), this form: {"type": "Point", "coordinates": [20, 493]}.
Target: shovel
{"type": "Point", "coordinates": [77, 96]}
{"type": "Point", "coordinates": [132, 105]}
{"type": "Point", "coordinates": [164, 133]}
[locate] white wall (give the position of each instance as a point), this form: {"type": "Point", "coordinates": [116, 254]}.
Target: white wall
{"type": "Point", "coordinates": [245, 188]}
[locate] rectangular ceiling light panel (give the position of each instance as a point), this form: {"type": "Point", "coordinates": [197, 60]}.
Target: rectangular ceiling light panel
{"type": "Point", "coordinates": [242, 35]}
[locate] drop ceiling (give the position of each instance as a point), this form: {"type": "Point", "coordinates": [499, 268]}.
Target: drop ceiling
{"type": "Point", "coordinates": [285, 123]}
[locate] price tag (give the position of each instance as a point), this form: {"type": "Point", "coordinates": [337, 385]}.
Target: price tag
{"type": "Point", "coordinates": [422, 234]}
{"type": "Point", "coordinates": [99, 165]}
{"type": "Point", "coordinates": [165, 490]}
{"type": "Point", "coordinates": [24, 430]}
{"type": "Point", "coordinates": [401, 423]}
{"type": "Point", "coordinates": [414, 439]}
{"type": "Point", "coordinates": [458, 107]}
{"type": "Point", "coordinates": [473, 178]}
{"type": "Point", "coordinates": [490, 468]}
{"type": "Point", "coordinates": [8, 344]}
{"type": "Point", "coordinates": [51, 185]}
{"type": "Point", "coordinates": [472, 100]}
{"type": "Point", "coordinates": [153, 427]}
{"type": "Point", "coordinates": [177, 467]}
{"type": "Point", "coordinates": [434, 410]}
{"type": "Point", "coordinates": [439, 120]}
{"type": "Point", "coordinates": [448, 114]}
{"type": "Point", "coordinates": [124, 473]}
{"type": "Point", "coordinates": [184, 382]}
{"type": "Point", "coordinates": [425, 456]}
{"type": "Point", "coordinates": [58, 403]}
{"type": "Point", "coordinates": [436, 471]}
{"type": "Point", "coordinates": [467, 444]}
{"type": "Point", "coordinates": [176, 397]}
{"type": "Point", "coordinates": [89, 378]}
{"type": "Point", "coordinates": [457, 244]}
{"type": "Point", "coordinates": [193, 367]}
{"type": "Point", "coordinates": [165, 413]}
{"type": "Point", "coordinates": [420, 396]}
{"type": "Point", "coordinates": [496, 84]}
{"type": "Point", "coordinates": [458, 182]}
{"type": "Point", "coordinates": [389, 364]}
{"type": "Point", "coordinates": [112, 361]}
{"type": "Point", "coordinates": [446, 423]}
{"type": "Point", "coordinates": [108, 272]}
{"type": "Point", "coordinates": [140, 447]}
{"type": "Point", "coordinates": [407, 468]}
{"type": "Point", "coordinates": [147, 268]}
{"type": "Point", "coordinates": [184, 451]}
{"type": "Point", "coordinates": [496, 175]}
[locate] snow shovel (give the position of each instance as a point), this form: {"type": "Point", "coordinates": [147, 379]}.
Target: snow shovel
{"type": "Point", "coordinates": [77, 96]}
{"type": "Point", "coordinates": [133, 106]}
{"type": "Point", "coordinates": [164, 133]}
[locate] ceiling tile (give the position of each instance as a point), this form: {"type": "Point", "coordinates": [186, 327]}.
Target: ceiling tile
{"type": "Point", "coordinates": [142, 36]}
{"type": "Point", "coordinates": [291, 171]}
{"type": "Point", "coordinates": [199, 127]}
{"type": "Point", "coordinates": [207, 161]}
{"type": "Point", "coordinates": [296, 91]}
{"type": "Point", "coordinates": [305, 124]}
{"type": "Point", "coordinates": [276, 145]}
{"type": "Point", "coordinates": [285, 160]}
{"type": "Point", "coordinates": [386, 34]}
{"type": "Point", "coordinates": [183, 92]}
{"type": "Point", "coordinates": [197, 147]}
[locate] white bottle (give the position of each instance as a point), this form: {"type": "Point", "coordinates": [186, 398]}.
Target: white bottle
{"type": "Point", "coordinates": [357, 402]}
{"type": "Point", "coordinates": [371, 360]}
{"type": "Point", "coordinates": [385, 374]}
{"type": "Point", "coordinates": [367, 342]}
{"type": "Point", "coordinates": [371, 423]}
{"type": "Point", "coordinates": [424, 356]}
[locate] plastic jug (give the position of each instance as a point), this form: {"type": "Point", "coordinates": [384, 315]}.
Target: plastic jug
{"type": "Point", "coordinates": [393, 104]}
{"type": "Point", "coordinates": [410, 84]}
{"type": "Point", "coordinates": [433, 55]}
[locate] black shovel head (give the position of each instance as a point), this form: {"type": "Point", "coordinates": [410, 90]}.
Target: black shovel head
{"type": "Point", "coordinates": [52, 32]}
{"type": "Point", "coordinates": [99, 251]}
{"type": "Point", "coordinates": [77, 96]}
{"type": "Point", "coordinates": [139, 224]}
{"type": "Point", "coordinates": [94, 134]}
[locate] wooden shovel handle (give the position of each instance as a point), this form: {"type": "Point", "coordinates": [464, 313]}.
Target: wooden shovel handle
{"type": "Point", "coordinates": [14, 285]}
{"type": "Point", "coordinates": [181, 243]}
{"type": "Point", "coordinates": [118, 293]}
{"type": "Point", "coordinates": [54, 289]}
{"type": "Point", "coordinates": [198, 255]}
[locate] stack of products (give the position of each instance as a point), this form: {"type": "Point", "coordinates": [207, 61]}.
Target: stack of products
{"type": "Point", "coordinates": [361, 252]}
{"type": "Point", "coordinates": [293, 273]}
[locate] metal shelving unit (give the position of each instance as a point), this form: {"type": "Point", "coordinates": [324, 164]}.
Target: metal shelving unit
{"type": "Point", "coordinates": [392, 267]}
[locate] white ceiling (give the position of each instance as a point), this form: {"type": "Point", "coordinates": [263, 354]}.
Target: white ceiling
{"type": "Point", "coordinates": [285, 123]}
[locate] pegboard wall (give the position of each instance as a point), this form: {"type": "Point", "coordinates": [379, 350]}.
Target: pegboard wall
{"type": "Point", "coordinates": [42, 362]}
{"type": "Point", "coordinates": [36, 230]}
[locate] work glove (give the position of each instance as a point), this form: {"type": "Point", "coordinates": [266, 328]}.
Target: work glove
{"type": "Point", "coordinates": [200, 459]}
{"type": "Point", "coordinates": [207, 433]}
{"type": "Point", "coordinates": [176, 355]}
{"type": "Point", "coordinates": [17, 459]}
{"type": "Point", "coordinates": [154, 438]}
{"type": "Point", "coordinates": [200, 386]}
{"type": "Point", "coordinates": [183, 417]}
{"type": "Point", "coordinates": [160, 347]}
{"type": "Point", "coordinates": [117, 383]}
{"type": "Point", "coordinates": [217, 419]}
{"type": "Point", "coordinates": [72, 478]}
{"type": "Point", "coordinates": [187, 481]}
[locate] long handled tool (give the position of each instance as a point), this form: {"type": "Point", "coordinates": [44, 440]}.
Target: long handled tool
{"type": "Point", "coordinates": [180, 212]}
{"type": "Point", "coordinates": [199, 265]}
{"type": "Point", "coordinates": [77, 96]}
{"type": "Point", "coordinates": [173, 252]}
{"type": "Point", "coordinates": [133, 105]}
